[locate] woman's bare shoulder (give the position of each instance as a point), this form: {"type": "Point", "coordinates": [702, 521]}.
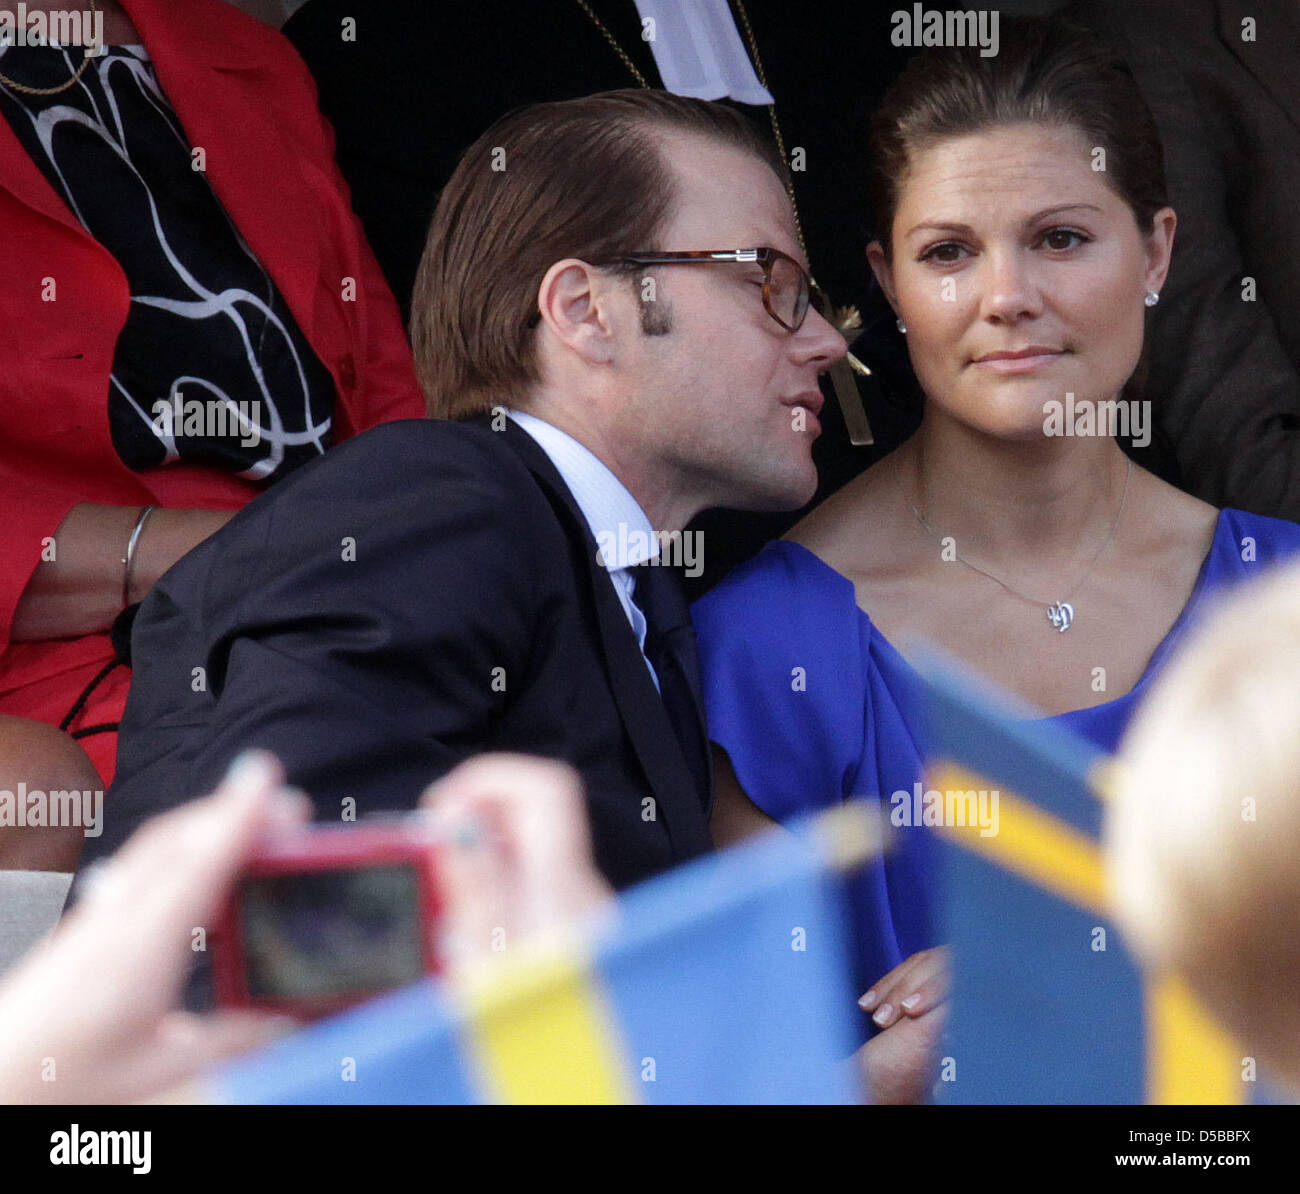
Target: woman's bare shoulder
{"type": "Point", "coordinates": [847, 529]}
{"type": "Point", "coordinates": [1175, 520]}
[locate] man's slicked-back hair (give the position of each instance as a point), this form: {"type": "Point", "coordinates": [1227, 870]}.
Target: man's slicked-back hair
{"type": "Point", "coordinates": [582, 178]}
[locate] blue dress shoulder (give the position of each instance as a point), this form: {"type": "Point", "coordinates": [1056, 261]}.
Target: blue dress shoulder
{"type": "Point", "coordinates": [814, 706]}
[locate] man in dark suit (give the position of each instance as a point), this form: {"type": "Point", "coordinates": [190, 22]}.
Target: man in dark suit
{"type": "Point", "coordinates": [435, 589]}
{"type": "Point", "coordinates": [408, 84]}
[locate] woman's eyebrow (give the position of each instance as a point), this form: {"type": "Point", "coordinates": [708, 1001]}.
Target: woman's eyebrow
{"type": "Point", "coordinates": [945, 226]}
{"type": "Point", "coordinates": [1060, 207]}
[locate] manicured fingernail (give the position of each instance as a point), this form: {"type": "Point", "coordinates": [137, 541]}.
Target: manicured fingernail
{"type": "Point", "coordinates": [911, 1001]}
{"type": "Point", "coordinates": [868, 1001]}
{"type": "Point", "coordinates": [883, 1014]}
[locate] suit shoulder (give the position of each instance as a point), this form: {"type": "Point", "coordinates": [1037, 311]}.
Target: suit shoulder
{"type": "Point", "coordinates": [407, 498]}
{"type": "Point", "coordinates": [416, 452]}
{"type": "Point", "coordinates": [419, 481]}
{"type": "Point", "coordinates": [423, 435]}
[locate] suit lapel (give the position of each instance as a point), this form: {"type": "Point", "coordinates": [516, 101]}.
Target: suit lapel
{"type": "Point", "coordinates": [25, 182]}
{"type": "Point", "coordinates": [688, 660]}
{"type": "Point", "coordinates": [218, 85]}
{"type": "Point", "coordinates": [251, 165]}
{"type": "Point", "coordinates": [640, 707]}
{"type": "Point", "coordinates": [1272, 57]}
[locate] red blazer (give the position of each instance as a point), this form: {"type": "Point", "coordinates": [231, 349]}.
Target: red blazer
{"type": "Point", "coordinates": [244, 96]}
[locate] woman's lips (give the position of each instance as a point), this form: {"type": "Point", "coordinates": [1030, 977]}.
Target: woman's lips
{"type": "Point", "coordinates": [1019, 362]}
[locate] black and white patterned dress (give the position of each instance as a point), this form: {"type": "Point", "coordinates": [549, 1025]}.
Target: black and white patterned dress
{"type": "Point", "coordinates": [210, 366]}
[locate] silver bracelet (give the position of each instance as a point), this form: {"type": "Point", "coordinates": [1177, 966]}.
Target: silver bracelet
{"type": "Point", "coordinates": [129, 558]}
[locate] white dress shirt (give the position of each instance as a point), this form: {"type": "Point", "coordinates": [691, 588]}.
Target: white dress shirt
{"type": "Point", "coordinates": [620, 527]}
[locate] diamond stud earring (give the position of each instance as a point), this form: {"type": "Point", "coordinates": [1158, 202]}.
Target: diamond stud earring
{"type": "Point", "coordinates": [1152, 298]}
{"type": "Point", "coordinates": [902, 327]}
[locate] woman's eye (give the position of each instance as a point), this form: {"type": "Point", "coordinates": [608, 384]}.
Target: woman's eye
{"type": "Point", "coordinates": [946, 253]}
{"type": "Point", "coordinates": [1061, 239]}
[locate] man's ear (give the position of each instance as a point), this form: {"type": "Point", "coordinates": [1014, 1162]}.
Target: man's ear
{"type": "Point", "coordinates": [574, 302]}
{"type": "Point", "coordinates": [883, 271]}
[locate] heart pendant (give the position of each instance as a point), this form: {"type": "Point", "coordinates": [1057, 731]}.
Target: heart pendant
{"type": "Point", "coordinates": [1061, 615]}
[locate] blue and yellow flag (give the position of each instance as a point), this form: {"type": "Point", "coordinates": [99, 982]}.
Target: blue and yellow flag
{"type": "Point", "coordinates": [1048, 1005]}
{"type": "Point", "coordinates": [724, 981]}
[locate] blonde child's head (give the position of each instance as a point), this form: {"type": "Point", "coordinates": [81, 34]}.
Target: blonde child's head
{"type": "Point", "coordinates": [1203, 833]}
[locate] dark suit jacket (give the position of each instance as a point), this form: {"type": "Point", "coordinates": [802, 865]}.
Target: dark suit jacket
{"type": "Point", "coordinates": [1223, 374]}
{"type": "Point", "coordinates": [425, 592]}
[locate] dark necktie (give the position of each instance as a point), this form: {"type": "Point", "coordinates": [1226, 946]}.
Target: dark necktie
{"type": "Point", "coordinates": [670, 648]}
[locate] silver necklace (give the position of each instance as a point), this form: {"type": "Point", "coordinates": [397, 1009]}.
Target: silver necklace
{"type": "Point", "coordinates": [1059, 613]}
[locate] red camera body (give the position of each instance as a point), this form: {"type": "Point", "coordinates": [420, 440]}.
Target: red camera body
{"type": "Point", "coordinates": [327, 916]}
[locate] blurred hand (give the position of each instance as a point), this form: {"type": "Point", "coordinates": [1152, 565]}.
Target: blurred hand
{"type": "Point", "coordinates": [91, 1016]}
{"type": "Point", "coordinates": [909, 1005]}
{"type": "Point", "coordinates": [517, 863]}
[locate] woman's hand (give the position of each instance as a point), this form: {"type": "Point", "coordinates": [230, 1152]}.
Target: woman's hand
{"type": "Point", "coordinates": [518, 863]}
{"type": "Point", "coordinates": [912, 988]}
{"type": "Point", "coordinates": [908, 1004]}
{"type": "Point", "coordinates": [91, 1015]}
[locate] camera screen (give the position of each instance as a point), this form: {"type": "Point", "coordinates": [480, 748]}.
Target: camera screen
{"type": "Point", "coordinates": [331, 932]}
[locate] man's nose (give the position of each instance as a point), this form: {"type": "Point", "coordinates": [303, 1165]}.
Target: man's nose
{"type": "Point", "coordinates": [818, 341]}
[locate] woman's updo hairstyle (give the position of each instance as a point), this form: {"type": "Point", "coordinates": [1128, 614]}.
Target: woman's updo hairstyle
{"type": "Point", "coordinates": [1046, 71]}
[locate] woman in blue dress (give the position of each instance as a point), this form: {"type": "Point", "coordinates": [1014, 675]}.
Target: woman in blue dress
{"type": "Point", "coordinates": [1023, 241]}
